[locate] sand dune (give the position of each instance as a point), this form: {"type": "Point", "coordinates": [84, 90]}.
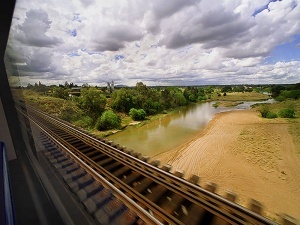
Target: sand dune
{"type": "Point", "coordinates": [252, 156]}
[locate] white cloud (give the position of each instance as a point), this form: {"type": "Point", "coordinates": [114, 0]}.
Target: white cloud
{"type": "Point", "coordinates": [159, 42]}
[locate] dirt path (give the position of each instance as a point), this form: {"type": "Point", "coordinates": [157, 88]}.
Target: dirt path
{"type": "Point", "coordinates": [254, 157]}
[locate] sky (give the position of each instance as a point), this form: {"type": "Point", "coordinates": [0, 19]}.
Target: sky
{"type": "Point", "coordinates": [157, 42]}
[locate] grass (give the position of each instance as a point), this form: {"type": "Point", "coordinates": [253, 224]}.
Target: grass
{"type": "Point", "coordinates": [64, 109]}
{"type": "Point", "coordinates": [294, 123]}
{"type": "Point", "coordinates": [236, 98]}
{"type": "Point", "coordinates": [241, 96]}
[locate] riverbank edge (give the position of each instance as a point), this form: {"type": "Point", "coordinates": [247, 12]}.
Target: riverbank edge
{"type": "Point", "coordinates": [137, 124]}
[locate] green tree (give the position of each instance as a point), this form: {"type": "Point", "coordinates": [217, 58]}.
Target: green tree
{"type": "Point", "coordinates": [166, 98]}
{"type": "Point", "coordinates": [287, 113]}
{"type": "Point", "coordinates": [137, 114]}
{"type": "Point", "coordinates": [264, 110]}
{"type": "Point", "coordinates": [92, 101]}
{"type": "Point", "coordinates": [226, 88]}
{"type": "Point", "coordinates": [123, 100]}
{"type": "Point", "coordinates": [179, 99]}
{"type": "Point", "coordinates": [141, 88]}
{"type": "Point", "coordinates": [108, 120]}
{"type": "Point", "coordinates": [60, 92]}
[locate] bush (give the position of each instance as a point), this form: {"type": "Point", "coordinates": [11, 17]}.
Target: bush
{"type": "Point", "coordinates": [287, 113]}
{"type": "Point", "coordinates": [84, 122]}
{"type": "Point", "coordinates": [271, 115]}
{"type": "Point", "coordinates": [265, 109]}
{"type": "Point", "coordinates": [108, 120]}
{"type": "Point", "coordinates": [201, 98]}
{"type": "Point", "coordinates": [137, 114]}
{"type": "Point", "coordinates": [280, 98]}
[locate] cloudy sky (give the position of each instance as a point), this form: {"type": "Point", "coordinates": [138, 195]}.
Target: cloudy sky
{"type": "Point", "coordinates": [158, 42]}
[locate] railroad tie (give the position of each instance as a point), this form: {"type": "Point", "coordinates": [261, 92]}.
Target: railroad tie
{"type": "Point", "coordinates": [121, 171]}
{"type": "Point", "coordinates": [109, 211]}
{"type": "Point", "coordinates": [64, 164]}
{"type": "Point", "coordinates": [194, 179]}
{"type": "Point", "coordinates": [167, 168]}
{"type": "Point", "coordinates": [54, 157]}
{"type": "Point", "coordinates": [131, 177]}
{"type": "Point", "coordinates": [155, 193]}
{"type": "Point", "coordinates": [89, 191]}
{"type": "Point", "coordinates": [191, 214]}
{"type": "Point", "coordinates": [68, 169]}
{"type": "Point", "coordinates": [128, 217]}
{"type": "Point", "coordinates": [60, 159]}
{"type": "Point", "coordinates": [171, 203]}
{"type": "Point", "coordinates": [256, 206]}
{"type": "Point", "coordinates": [52, 150]}
{"type": "Point", "coordinates": [288, 220]}
{"type": "Point", "coordinates": [74, 175]}
{"type": "Point", "coordinates": [96, 201]}
{"type": "Point", "coordinates": [81, 182]}
{"type": "Point", "coordinates": [143, 184]}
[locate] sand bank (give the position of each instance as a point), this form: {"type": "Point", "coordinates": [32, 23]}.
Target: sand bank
{"type": "Point", "coordinates": [252, 156]}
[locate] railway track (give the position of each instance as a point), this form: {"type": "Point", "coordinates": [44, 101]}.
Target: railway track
{"type": "Point", "coordinates": [139, 189]}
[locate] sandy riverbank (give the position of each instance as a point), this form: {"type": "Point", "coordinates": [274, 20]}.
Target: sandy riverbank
{"type": "Point", "coordinates": [252, 156]}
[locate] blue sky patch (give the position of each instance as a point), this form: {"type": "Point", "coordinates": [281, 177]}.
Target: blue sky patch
{"type": "Point", "coordinates": [92, 52]}
{"type": "Point", "coordinates": [263, 8]}
{"type": "Point", "coordinates": [73, 32]}
{"type": "Point", "coordinates": [285, 52]}
{"type": "Point", "coordinates": [119, 57]}
{"type": "Point", "coordinates": [73, 54]}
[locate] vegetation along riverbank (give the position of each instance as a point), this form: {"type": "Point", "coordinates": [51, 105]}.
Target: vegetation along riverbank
{"type": "Point", "coordinates": [105, 110]}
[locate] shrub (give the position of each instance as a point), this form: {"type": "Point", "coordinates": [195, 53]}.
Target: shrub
{"type": "Point", "coordinates": [108, 120]}
{"type": "Point", "coordinates": [287, 113]}
{"type": "Point", "coordinates": [137, 114]}
{"type": "Point", "coordinates": [280, 98]}
{"type": "Point", "coordinates": [265, 109]}
{"type": "Point", "coordinates": [84, 122]}
{"type": "Point", "coordinates": [271, 115]}
{"type": "Point", "coordinates": [201, 98]}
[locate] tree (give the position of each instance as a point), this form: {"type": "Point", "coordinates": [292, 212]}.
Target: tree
{"type": "Point", "coordinates": [265, 109]}
{"type": "Point", "coordinates": [108, 120]}
{"type": "Point", "coordinates": [179, 99]}
{"type": "Point", "coordinates": [92, 101]}
{"type": "Point", "coordinates": [122, 100]}
{"type": "Point", "coordinates": [226, 88]}
{"type": "Point", "coordinates": [137, 114]}
{"type": "Point", "coordinates": [166, 98]}
{"type": "Point", "coordinates": [141, 88]}
{"type": "Point", "coordinates": [60, 92]}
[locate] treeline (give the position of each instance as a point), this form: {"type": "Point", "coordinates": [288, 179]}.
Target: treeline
{"type": "Point", "coordinates": [101, 109]}
{"type": "Point", "coordinates": [155, 100]}
{"type": "Point", "coordinates": [283, 92]}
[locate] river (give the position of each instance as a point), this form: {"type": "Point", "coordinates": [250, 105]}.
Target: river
{"type": "Point", "coordinates": [172, 130]}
